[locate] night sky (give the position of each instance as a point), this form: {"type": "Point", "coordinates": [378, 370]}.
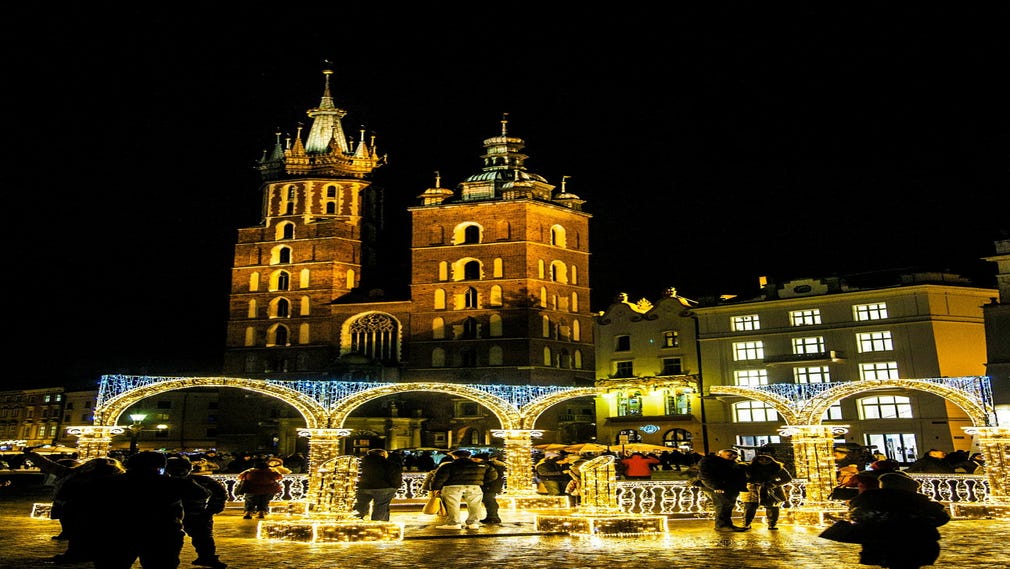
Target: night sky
{"type": "Point", "coordinates": [712, 146]}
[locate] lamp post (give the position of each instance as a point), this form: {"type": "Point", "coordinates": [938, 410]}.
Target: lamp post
{"type": "Point", "coordinates": [138, 424]}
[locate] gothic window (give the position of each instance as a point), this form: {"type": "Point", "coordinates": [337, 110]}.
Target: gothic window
{"type": "Point", "coordinates": [279, 336]}
{"type": "Point", "coordinates": [289, 208]}
{"type": "Point", "coordinates": [282, 308]}
{"type": "Point", "coordinates": [284, 255]}
{"type": "Point", "coordinates": [374, 335]}
{"type": "Point", "coordinates": [470, 298]}
{"type": "Point", "coordinates": [285, 230]}
{"type": "Point", "coordinates": [283, 280]}
{"type": "Point", "coordinates": [576, 331]}
{"type": "Point", "coordinates": [498, 270]}
{"type": "Point", "coordinates": [495, 298]}
{"type": "Point", "coordinates": [439, 303]}
{"type": "Point", "coordinates": [438, 329]}
{"type": "Point", "coordinates": [495, 329]}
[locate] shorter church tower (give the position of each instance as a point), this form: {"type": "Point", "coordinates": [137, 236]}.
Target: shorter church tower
{"type": "Point", "coordinates": [500, 277]}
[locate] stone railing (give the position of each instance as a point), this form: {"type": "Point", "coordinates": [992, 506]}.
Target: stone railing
{"type": "Point", "coordinates": [677, 498]}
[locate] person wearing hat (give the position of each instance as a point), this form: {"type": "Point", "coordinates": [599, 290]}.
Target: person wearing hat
{"type": "Point", "coordinates": [899, 523]}
{"type": "Point", "coordinates": [723, 478]}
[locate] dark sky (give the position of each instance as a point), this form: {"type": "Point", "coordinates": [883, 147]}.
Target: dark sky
{"type": "Point", "coordinates": [712, 146]}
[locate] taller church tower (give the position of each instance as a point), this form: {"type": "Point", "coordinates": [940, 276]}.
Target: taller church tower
{"type": "Point", "coordinates": [313, 246]}
{"type": "Point", "coordinates": [500, 277]}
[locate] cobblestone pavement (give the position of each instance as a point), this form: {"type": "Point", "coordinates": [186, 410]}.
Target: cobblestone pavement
{"type": "Point", "coordinates": [25, 544]}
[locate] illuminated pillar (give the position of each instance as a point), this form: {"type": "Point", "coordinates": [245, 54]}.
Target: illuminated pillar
{"type": "Point", "coordinates": [994, 444]}
{"type": "Point", "coordinates": [812, 446]}
{"type": "Point", "coordinates": [94, 440]}
{"type": "Point", "coordinates": [519, 459]}
{"type": "Point", "coordinates": [324, 446]}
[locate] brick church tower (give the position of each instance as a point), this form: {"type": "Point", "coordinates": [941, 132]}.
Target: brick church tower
{"type": "Point", "coordinates": [500, 277]}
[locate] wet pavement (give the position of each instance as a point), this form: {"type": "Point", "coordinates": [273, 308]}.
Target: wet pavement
{"type": "Point", "coordinates": [25, 544]}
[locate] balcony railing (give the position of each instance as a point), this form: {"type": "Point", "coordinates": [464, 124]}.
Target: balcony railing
{"type": "Point", "coordinates": [834, 356]}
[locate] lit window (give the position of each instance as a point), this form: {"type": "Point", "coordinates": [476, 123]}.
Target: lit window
{"type": "Point", "coordinates": [877, 311]}
{"type": "Point", "coordinates": [671, 339]}
{"type": "Point", "coordinates": [885, 407]}
{"type": "Point", "coordinates": [834, 413]}
{"type": "Point", "coordinates": [879, 370]}
{"type": "Point", "coordinates": [754, 412]}
{"type": "Point", "coordinates": [818, 374]}
{"type": "Point", "coordinates": [745, 323]}
{"type": "Point", "coordinates": [811, 345]}
{"type": "Point", "coordinates": [805, 317]}
{"type": "Point", "coordinates": [875, 342]}
{"type": "Point", "coordinates": [751, 377]}
{"type": "Point", "coordinates": [748, 350]}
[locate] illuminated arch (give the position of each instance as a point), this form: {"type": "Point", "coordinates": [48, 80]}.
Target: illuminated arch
{"type": "Point", "coordinates": [531, 411]}
{"type": "Point", "coordinates": [506, 413]}
{"type": "Point", "coordinates": [314, 414]}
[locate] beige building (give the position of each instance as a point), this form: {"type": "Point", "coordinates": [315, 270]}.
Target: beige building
{"type": "Point", "coordinates": [819, 330]}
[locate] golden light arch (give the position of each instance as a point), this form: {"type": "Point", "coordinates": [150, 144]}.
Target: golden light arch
{"type": "Point", "coordinates": [506, 413]}
{"type": "Point", "coordinates": [531, 411]}
{"type": "Point", "coordinates": [315, 415]}
{"type": "Point", "coordinates": [811, 411]}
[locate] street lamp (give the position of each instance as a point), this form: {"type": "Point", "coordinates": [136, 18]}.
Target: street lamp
{"type": "Point", "coordinates": [138, 424]}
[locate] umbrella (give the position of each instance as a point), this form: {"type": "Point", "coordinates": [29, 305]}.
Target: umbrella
{"type": "Point", "coordinates": [550, 446]}
{"type": "Point", "coordinates": [587, 447]}
{"type": "Point", "coordinates": [642, 447]}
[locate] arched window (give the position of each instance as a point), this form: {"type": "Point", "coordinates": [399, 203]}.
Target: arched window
{"type": "Point", "coordinates": [541, 270]}
{"type": "Point", "coordinates": [443, 271]}
{"type": "Point", "coordinates": [574, 270]}
{"type": "Point", "coordinates": [438, 329]}
{"type": "Point", "coordinates": [543, 297]}
{"type": "Point", "coordinates": [285, 230]}
{"type": "Point", "coordinates": [498, 268]}
{"type": "Point", "coordinates": [284, 255]}
{"type": "Point", "coordinates": [251, 311]}
{"type": "Point", "coordinates": [471, 271]}
{"type": "Point", "coordinates": [254, 282]}
{"type": "Point", "coordinates": [495, 329]}
{"type": "Point", "coordinates": [439, 303]}
{"type": "Point", "coordinates": [575, 302]}
{"type": "Point", "coordinates": [282, 280]}
{"type": "Point", "coordinates": [470, 298]}
{"type": "Point", "coordinates": [331, 208]}
{"type": "Point", "coordinates": [578, 359]}
{"type": "Point", "coordinates": [306, 306]}
{"type": "Point", "coordinates": [495, 298]}
{"type": "Point", "coordinates": [502, 230]}
{"type": "Point", "coordinates": [546, 326]}
{"type": "Point", "coordinates": [374, 335]}
{"type": "Point", "coordinates": [282, 308]}
{"type": "Point", "coordinates": [558, 236]}
{"type": "Point", "coordinates": [494, 356]}
{"type": "Point", "coordinates": [471, 234]}
{"type": "Point", "coordinates": [280, 336]}
{"type": "Point", "coordinates": [564, 359]}
{"type": "Point", "coordinates": [438, 357]}
{"type": "Point", "coordinates": [548, 357]}
{"type": "Point", "coordinates": [470, 328]}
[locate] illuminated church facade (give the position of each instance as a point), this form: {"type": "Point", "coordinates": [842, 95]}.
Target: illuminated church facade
{"type": "Point", "coordinates": [499, 271]}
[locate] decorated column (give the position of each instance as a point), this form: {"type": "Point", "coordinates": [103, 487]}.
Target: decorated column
{"type": "Point", "coordinates": [519, 459]}
{"type": "Point", "coordinates": [324, 445]}
{"type": "Point", "coordinates": [94, 440]}
{"type": "Point", "coordinates": [814, 461]}
{"type": "Point", "coordinates": [994, 444]}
